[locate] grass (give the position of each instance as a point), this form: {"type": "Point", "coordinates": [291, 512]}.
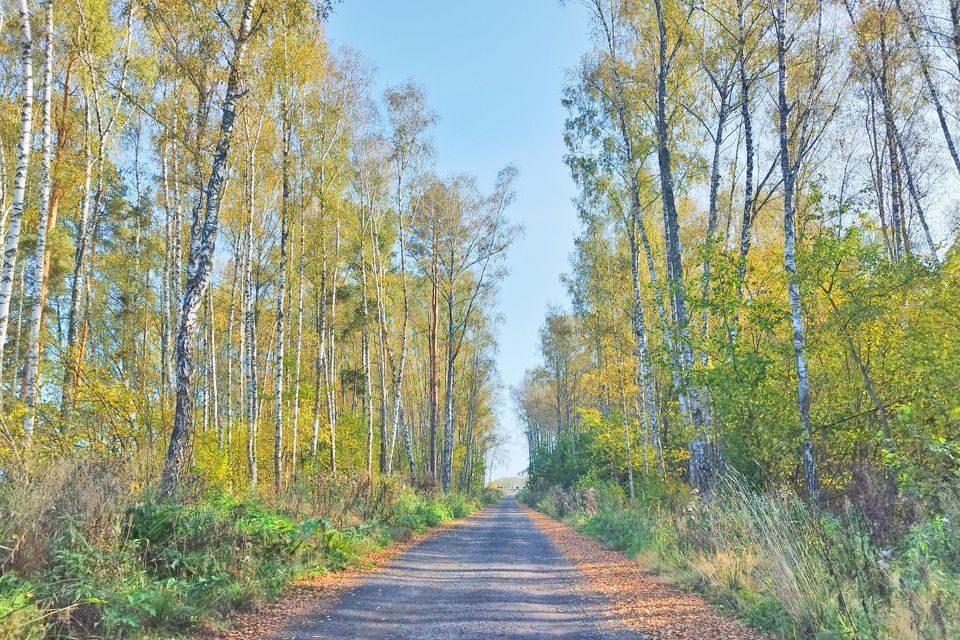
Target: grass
{"type": "Point", "coordinates": [781, 566]}
{"type": "Point", "coordinates": [145, 567]}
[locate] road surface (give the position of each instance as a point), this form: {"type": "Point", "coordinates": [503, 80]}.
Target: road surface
{"type": "Point", "coordinates": [496, 575]}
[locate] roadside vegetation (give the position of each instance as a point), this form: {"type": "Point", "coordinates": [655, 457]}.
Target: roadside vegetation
{"type": "Point", "coordinates": [92, 559]}
{"type": "Point", "coordinates": [755, 384]}
{"type": "Point", "coordinates": [246, 331]}
{"type": "Point", "coordinates": [779, 565]}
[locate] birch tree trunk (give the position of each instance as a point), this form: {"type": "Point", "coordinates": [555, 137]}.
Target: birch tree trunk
{"type": "Point", "coordinates": [724, 95]}
{"type": "Point", "coordinates": [446, 465]}
{"type": "Point", "coordinates": [636, 227]}
{"type": "Point", "coordinates": [231, 323]}
{"type": "Point", "coordinates": [320, 362]}
{"type": "Point", "coordinates": [31, 377]}
{"type": "Point", "coordinates": [213, 393]}
{"type": "Point", "coordinates": [199, 269]}
{"type": "Point", "coordinates": [87, 231]}
{"type": "Point", "coordinates": [21, 322]}
{"type": "Point", "coordinates": [281, 312]}
{"type": "Point", "coordinates": [332, 353]}
{"type": "Point", "coordinates": [746, 223]}
{"type": "Point", "coordinates": [408, 443]}
{"type": "Point", "coordinates": [250, 333]}
{"type": "Point", "coordinates": [15, 224]}
{"type": "Point", "coordinates": [365, 339]}
{"type": "Point", "coordinates": [671, 228]}
{"type": "Point", "coordinates": [70, 363]}
{"type": "Point", "coordinates": [787, 169]}
{"type": "Point", "coordinates": [434, 366]}
{"type": "Point", "coordinates": [166, 292]}
{"type": "Point", "coordinates": [298, 348]}
{"type": "Point", "coordinates": [928, 81]}
{"type": "Point", "coordinates": [404, 323]}
{"type": "Point", "coordinates": [898, 149]}
{"type": "Point", "coordinates": [385, 359]}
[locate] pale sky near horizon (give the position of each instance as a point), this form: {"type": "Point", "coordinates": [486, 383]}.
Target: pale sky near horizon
{"type": "Point", "coordinates": [494, 71]}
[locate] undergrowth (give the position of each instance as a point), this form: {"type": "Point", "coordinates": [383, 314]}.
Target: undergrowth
{"type": "Point", "coordinates": [90, 567]}
{"type": "Point", "coordinates": [780, 565]}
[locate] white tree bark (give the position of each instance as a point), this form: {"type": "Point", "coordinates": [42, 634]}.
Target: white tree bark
{"type": "Point", "coordinates": [746, 223]}
{"type": "Point", "coordinates": [788, 170]}
{"type": "Point", "coordinates": [167, 302]}
{"type": "Point", "coordinates": [301, 273]}
{"type": "Point", "coordinates": [202, 247]}
{"type": "Point", "coordinates": [250, 320]}
{"type": "Point", "coordinates": [15, 224]}
{"type": "Point", "coordinates": [365, 338]}
{"type": "Point", "coordinates": [332, 352]}
{"type": "Point", "coordinates": [32, 382]}
{"type": "Point", "coordinates": [281, 315]}
{"type": "Point", "coordinates": [231, 323]}
{"type": "Point", "coordinates": [213, 392]}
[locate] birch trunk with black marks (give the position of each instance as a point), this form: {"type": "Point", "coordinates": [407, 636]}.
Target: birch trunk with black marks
{"type": "Point", "coordinates": [723, 91]}
{"type": "Point", "coordinates": [446, 464]}
{"type": "Point", "coordinates": [644, 368]}
{"type": "Point", "coordinates": [213, 391]}
{"type": "Point", "coordinates": [788, 169]}
{"type": "Point", "coordinates": [434, 365]}
{"type": "Point", "coordinates": [70, 363]}
{"type": "Point", "coordinates": [24, 144]}
{"type": "Point", "coordinates": [671, 230]}
{"type": "Point", "coordinates": [898, 150]}
{"type": "Point", "coordinates": [199, 268]}
{"type": "Point", "coordinates": [32, 372]}
{"type": "Point", "coordinates": [87, 229]}
{"type": "Point", "coordinates": [332, 352]}
{"type": "Point", "coordinates": [404, 324]}
{"type": "Point", "coordinates": [250, 326]}
{"type": "Point", "coordinates": [166, 292]}
{"type": "Point", "coordinates": [235, 286]}
{"type": "Point", "coordinates": [365, 338]}
{"type": "Point", "coordinates": [281, 311]}
{"type": "Point", "coordinates": [298, 349]}
{"type": "Point", "coordinates": [320, 307]}
{"type": "Point", "coordinates": [746, 222]}
{"type": "Point", "coordinates": [636, 228]}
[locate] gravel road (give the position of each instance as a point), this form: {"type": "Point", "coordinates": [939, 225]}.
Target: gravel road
{"type": "Point", "coordinates": [496, 575]}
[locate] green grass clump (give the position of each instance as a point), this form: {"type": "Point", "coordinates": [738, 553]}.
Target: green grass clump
{"type": "Point", "coordinates": [19, 615]}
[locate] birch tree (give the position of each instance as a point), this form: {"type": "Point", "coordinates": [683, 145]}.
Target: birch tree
{"type": "Point", "coordinates": [24, 145]}
{"type": "Point", "coordinates": [202, 245]}
{"type": "Point", "coordinates": [31, 377]}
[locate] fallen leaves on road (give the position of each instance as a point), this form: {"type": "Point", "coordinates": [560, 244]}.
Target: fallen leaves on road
{"type": "Point", "coordinates": [638, 600]}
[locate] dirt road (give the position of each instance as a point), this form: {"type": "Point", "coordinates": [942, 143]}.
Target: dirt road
{"type": "Point", "coordinates": [497, 575]}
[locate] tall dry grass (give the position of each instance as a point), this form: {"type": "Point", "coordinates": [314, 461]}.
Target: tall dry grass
{"type": "Point", "coordinates": [785, 567]}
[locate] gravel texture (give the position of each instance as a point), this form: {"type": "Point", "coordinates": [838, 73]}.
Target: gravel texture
{"type": "Point", "coordinates": [493, 576]}
{"type": "Point", "coordinates": [507, 573]}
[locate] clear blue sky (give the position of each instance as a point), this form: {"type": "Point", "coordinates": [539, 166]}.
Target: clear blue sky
{"type": "Point", "coordinates": [494, 71]}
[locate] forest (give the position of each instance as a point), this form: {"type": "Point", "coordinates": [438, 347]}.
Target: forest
{"type": "Point", "coordinates": [239, 309]}
{"type": "Point", "coordinates": [249, 330]}
{"type": "Point", "coordinates": [756, 380]}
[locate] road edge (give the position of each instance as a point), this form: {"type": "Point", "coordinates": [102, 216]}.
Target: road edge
{"type": "Point", "coordinates": [313, 594]}
{"type": "Point", "coordinates": [633, 597]}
